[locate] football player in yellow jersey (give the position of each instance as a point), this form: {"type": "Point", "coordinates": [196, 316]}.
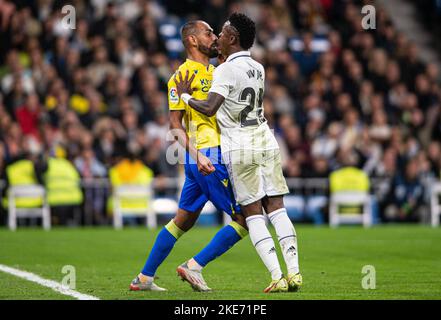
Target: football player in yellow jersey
{"type": "Point", "coordinates": [206, 178]}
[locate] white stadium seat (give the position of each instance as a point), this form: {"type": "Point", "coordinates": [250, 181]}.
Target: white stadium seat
{"type": "Point", "coordinates": [339, 199]}
{"type": "Point", "coordinates": [137, 193]}
{"type": "Point", "coordinates": [28, 191]}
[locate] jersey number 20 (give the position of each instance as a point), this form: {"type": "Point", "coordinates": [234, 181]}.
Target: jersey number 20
{"type": "Point", "coordinates": [248, 91]}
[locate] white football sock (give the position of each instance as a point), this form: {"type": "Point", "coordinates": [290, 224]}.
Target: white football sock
{"type": "Point", "coordinates": [287, 238]}
{"type": "Point", "coordinates": [264, 244]}
{"type": "Point", "coordinates": [193, 265]}
{"type": "Point", "coordinates": [145, 279]}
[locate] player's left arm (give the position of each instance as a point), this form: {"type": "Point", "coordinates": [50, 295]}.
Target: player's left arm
{"type": "Point", "coordinates": [222, 81]}
{"type": "Point", "coordinates": [208, 107]}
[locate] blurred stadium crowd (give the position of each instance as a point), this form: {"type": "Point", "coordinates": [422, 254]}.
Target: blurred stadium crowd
{"type": "Point", "coordinates": [336, 94]}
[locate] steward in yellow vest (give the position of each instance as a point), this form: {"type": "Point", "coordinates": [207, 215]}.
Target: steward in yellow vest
{"type": "Point", "coordinates": [21, 172]}
{"type": "Point", "coordinates": [63, 190]}
{"type": "Point", "coordinates": [63, 183]}
{"type": "Point", "coordinates": [349, 179]}
{"type": "Point", "coordinates": [130, 171]}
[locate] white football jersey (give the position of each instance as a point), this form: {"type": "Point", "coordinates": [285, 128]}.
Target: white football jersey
{"type": "Point", "coordinates": [241, 81]}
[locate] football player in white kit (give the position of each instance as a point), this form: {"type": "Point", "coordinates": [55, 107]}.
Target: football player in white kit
{"type": "Point", "coordinates": [249, 148]}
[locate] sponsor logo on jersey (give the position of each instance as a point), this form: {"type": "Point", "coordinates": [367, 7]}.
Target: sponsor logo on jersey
{"type": "Point", "coordinates": [225, 182]}
{"type": "Point", "coordinates": [173, 95]}
{"type": "Point", "coordinates": [206, 85]}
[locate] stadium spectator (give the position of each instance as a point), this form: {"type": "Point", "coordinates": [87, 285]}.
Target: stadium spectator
{"type": "Point", "coordinates": [28, 116]}
{"type": "Point", "coordinates": [130, 171]}
{"type": "Point", "coordinates": [315, 206]}
{"type": "Point", "coordinates": [88, 165]}
{"type": "Point", "coordinates": [64, 194]}
{"type": "Point", "coordinates": [25, 168]}
{"type": "Point", "coordinates": [350, 179]}
{"type": "Point", "coordinates": [90, 168]}
{"type": "Point", "coordinates": [366, 92]}
{"type": "Point", "coordinates": [405, 199]}
{"type": "Point", "coordinates": [307, 58]}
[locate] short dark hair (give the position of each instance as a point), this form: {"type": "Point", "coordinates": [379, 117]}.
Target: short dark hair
{"type": "Point", "coordinates": [246, 28]}
{"type": "Point", "coordinates": [190, 28]}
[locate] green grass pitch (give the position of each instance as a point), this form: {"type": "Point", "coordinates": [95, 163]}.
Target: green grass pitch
{"type": "Point", "coordinates": [407, 261]}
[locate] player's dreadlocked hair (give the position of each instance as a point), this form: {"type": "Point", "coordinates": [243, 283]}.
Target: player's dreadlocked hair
{"type": "Point", "coordinates": [246, 28]}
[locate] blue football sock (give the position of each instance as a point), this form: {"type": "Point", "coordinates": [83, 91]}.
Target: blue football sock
{"type": "Point", "coordinates": [224, 239]}
{"type": "Point", "coordinates": [163, 245]}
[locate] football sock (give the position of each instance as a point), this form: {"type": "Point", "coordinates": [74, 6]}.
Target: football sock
{"type": "Point", "coordinates": [223, 240]}
{"type": "Point", "coordinates": [193, 265]}
{"type": "Point", "coordinates": [144, 278]}
{"type": "Point", "coordinates": [264, 244]}
{"type": "Point", "coordinates": [164, 243]}
{"type": "Point", "coordinates": [286, 234]}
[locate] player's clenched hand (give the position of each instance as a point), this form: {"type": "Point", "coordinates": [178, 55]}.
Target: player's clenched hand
{"type": "Point", "coordinates": [204, 165]}
{"type": "Point", "coordinates": [184, 85]}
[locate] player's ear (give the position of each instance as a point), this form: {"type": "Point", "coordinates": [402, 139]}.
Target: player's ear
{"type": "Point", "coordinates": [192, 41]}
{"type": "Point", "coordinates": [233, 39]}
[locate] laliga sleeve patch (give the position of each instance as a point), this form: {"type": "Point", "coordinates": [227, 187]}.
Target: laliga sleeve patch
{"type": "Point", "coordinates": [173, 95]}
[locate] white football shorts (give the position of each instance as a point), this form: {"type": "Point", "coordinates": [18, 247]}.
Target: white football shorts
{"type": "Point", "coordinates": [255, 174]}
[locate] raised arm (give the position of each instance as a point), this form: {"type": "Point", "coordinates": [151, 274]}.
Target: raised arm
{"type": "Point", "coordinates": [208, 107]}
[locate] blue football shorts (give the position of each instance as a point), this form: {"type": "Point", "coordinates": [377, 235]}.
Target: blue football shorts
{"type": "Point", "coordinates": [215, 187]}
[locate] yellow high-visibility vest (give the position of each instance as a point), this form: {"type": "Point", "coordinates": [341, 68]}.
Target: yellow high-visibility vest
{"type": "Point", "coordinates": [128, 172]}
{"type": "Point", "coordinates": [63, 183]}
{"type": "Point", "coordinates": [22, 173]}
{"type": "Point", "coordinates": [349, 179]}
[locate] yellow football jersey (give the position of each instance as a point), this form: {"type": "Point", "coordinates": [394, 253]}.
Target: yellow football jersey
{"type": "Point", "coordinates": [203, 131]}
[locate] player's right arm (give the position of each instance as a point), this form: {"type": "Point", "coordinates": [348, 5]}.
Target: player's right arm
{"type": "Point", "coordinates": [204, 164]}
{"type": "Point", "coordinates": [177, 112]}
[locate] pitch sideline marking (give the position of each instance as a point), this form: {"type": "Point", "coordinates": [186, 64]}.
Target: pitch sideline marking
{"type": "Point", "coordinates": [56, 286]}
